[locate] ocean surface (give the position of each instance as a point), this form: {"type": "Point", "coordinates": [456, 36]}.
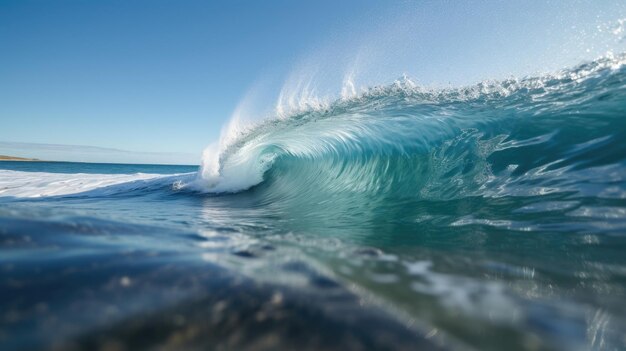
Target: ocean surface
{"type": "Point", "coordinates": [487, 217]}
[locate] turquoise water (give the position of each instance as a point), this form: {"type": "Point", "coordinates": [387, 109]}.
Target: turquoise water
{"type": "Point", "coordinates": [488, 217]}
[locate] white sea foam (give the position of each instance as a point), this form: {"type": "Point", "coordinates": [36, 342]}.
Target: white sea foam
{"type": "Point", "coordinates": [40, 184]}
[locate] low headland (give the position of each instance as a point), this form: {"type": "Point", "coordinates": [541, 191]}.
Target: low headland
{"type": "Point", "coordinates": [13, 158]}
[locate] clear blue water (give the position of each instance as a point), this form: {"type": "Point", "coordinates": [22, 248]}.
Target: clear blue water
{"type": "Point", "coordinates": [489, 217]}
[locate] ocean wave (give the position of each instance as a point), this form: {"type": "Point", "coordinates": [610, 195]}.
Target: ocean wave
{"type": "Point", "coordinates": [17, 184]}
{"type": "Point", "coordinates": [560, 132]}
{"type": "Point", "coordinates": [556, 133]}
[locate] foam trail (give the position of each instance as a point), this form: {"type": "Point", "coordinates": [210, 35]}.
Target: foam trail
{"type": "Point", "coordinates": [40, 184]}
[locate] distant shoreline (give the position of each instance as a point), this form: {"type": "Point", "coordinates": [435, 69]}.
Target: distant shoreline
{"type": "Point", "coordinates": [13, 158]}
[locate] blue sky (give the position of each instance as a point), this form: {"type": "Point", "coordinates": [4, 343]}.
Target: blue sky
{"type": "Point", "coordinates": [162, 77]}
